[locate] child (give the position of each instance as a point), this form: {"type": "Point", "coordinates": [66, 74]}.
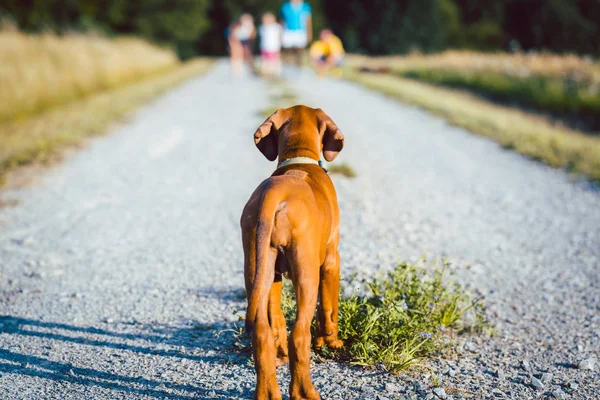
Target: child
{"type": "Point", "coordinates": [327, 54]}
{"type": "Point", "coordinates": [270, 45]}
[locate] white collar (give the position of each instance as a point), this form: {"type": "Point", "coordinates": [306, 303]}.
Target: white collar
{"type": "Point", "coordinates": [300, 160]}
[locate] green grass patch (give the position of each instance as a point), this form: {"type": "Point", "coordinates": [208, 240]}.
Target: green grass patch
{"type": "Point", "coordinates": [39, 138]}
{"type": "Point", "coordinates": [342, 169]}
{"type": "Point", "coordinates": [559, 95]}
{"type": "Point", "coordinates": [400, 320]}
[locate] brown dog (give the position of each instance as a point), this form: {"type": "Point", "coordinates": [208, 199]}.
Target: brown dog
{"type": "Point", "coordinates": [290, 226]}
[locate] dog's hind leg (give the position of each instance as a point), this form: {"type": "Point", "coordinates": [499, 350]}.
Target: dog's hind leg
{"type": "Point", "coordinates": [263, 344]}
{"type": "Point", "coordinates": [304, 271]}
{"type": "Point", "coordinates": [327, 314]}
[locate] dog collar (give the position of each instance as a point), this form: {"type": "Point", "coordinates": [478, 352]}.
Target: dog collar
{"type": "Point", "coordinates": [301, 160]}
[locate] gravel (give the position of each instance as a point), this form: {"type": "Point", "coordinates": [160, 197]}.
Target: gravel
{"type": "Point", "coordinates": [121, 269]}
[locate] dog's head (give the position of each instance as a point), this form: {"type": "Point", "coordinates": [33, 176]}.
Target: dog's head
{"type": "Point", "coordinates": [299, 131]}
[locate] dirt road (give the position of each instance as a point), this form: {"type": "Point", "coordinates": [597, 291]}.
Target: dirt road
{"type": "Point", "coordinates": [120, 266]}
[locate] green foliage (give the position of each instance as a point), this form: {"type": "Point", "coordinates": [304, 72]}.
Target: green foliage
{"type": "Point", "coordinates": [561, 95]}
{"type": "Point", "coordinates": [366, 26]}
{"type": "Point", "coordinates": [409, 315]}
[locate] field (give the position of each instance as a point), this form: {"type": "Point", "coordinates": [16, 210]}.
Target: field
{"type": "Point", "coordinates": [567, 87]}
{"type": "Point", "coordinates": [516, 79]}
{"type": "Point", "coordinates": [59, 90]}
{"type": "Point", "coordinates": [38, 72]}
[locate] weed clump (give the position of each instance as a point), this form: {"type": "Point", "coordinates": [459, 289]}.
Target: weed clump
{"type": "Point", "coordinates": [409, 315]}
{"type": "Point", "coordinates": [342, 169]}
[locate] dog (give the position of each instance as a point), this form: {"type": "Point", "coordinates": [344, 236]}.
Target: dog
{"type": "Point", "coordinates": [290, 227]}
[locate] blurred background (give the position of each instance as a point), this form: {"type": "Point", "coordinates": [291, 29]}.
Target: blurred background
{"type": "Point", "coordinates": [365, 26]}
{"type": "Point", "coordinates": [535, 55]}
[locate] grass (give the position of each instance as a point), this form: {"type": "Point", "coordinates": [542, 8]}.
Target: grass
{"type": "Point", "coordinates": [343, 169]}
{"type": "Point", "coordinates": [398, 321]}
{"type": "Point", "coordinates": [38, 72]}
{"type": "Point", "coordinates": [38, 138]}
{"type": "Point", "coordinates": [530, 135]}
{"type": "Point", "coordinates": [563, 85]}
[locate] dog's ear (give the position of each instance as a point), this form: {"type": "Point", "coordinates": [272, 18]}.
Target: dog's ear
{"type": "Point", "coordinates": [265, 137]}
{"type": "Point", "coordinates": [333, 140]}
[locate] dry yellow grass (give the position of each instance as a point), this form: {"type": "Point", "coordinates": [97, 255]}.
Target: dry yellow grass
{"type": "Point", "coordinates": [527, 134]}
{"type": "Point", "coordinates": [41, 71]}
{"type": "Point", "coordinates": [39, 137]}
{"type": "Point", "coordinates": [518, 64]}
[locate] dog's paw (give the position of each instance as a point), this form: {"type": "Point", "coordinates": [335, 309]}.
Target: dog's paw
{"type": "Point", "coordinates": [319, 342]}
{"type": "Point", "coordinates": [334, 343]}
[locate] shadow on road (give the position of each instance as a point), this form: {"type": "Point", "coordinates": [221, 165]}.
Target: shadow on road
{"type": "Point", "coordinates": [213, 339]}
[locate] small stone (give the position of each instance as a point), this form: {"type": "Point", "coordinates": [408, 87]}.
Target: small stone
{"type": "Point", "coordinates": [392, 387]}
{"type": "Point", "coordinates": [380, 397]}
{"type": "Point", "coordinates": [109, 320]}
{"type": "Point", "coordinates": [526, 365]}
{"type": "Point", "coordinates": [500, 374]}
{"type": "Point", "coordinates": [588, 364]}
{"type": "Point", "coordinates": [498, 393]}
{"type": "Point", "coordinates": [547, 377]}
{"type": "Point", "coordinates": [470, 346]}
{"type": "Point", "coordinates": [559, 394]}
{"type": "Point", "coordinates": [440, 392]}
{"type": "Point", "coordinates": [421, 387]}
{"type": "Point", "coordinates": [536, 383]}
{"type": "Point", "coordinates": [452, 372]}
{"type": "Point", "coordinates": [573, 385]}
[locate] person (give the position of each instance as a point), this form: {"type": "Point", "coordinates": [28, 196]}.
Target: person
{"type": "Point", "coordinates": [246, 33]}
{"type": "Point", "coordinates": [296, 16]}
{"type": "Point", "coordinates": [270, 45]}
{"type": "Point", "coordinates": [236, 51]}
{"type": "Point", "coordinates": [327, 53]}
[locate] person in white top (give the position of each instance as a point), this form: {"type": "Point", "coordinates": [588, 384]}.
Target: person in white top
{"type": "Point", "coordinates": [270, 45]}
{"type": "Point", "coordinates": [241, 39]}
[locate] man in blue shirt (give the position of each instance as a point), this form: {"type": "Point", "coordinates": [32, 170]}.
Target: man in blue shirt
{"type": "Point", "coordinates": [296, 18]}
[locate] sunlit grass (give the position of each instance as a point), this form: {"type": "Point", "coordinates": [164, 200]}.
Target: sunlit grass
{"type": "Point", "coordinates": [38, 138]}
{"type": "Point", "coordinates": [342, 169]}
{"type": "Point", "coordinates": [38, 72]}
{"type": "Point", "coordinates": [565, 86]}
{"type": "Point", "coordinates": [401, 320]}
{"type": "Point", "coordinates": [532, 136]}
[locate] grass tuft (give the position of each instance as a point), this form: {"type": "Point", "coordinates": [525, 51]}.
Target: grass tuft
{"type": "Point", "coordinates": [398, 321]}
{"type": "Point", "coordinates": [342, 169]}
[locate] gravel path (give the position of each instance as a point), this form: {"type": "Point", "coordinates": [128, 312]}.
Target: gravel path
{"type": "Point", "coordinates": [119, 268]}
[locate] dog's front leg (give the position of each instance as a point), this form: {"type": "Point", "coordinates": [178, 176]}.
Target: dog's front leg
{"type": "Point", "coordinates": [277, 319]}
{"type": "Point", "coordinates": [327, 315]}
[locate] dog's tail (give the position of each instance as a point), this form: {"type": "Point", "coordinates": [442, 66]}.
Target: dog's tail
{"type": "Point", "coordinates": [265, 262]}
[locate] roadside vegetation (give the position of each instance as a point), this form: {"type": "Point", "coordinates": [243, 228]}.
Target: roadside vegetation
{"type": "Point", "coordinates": [532, 135]}
{"type": "Point", "coordinates": [399, 320]}
{"type": "Point", "coordinates": [57, 91]}
{"type": "Point", "coordinates": [38, 72]}
{"type": "Point", "coordinates": [342, 169]}
{"type": "Point", "coordinates": [563, 86]}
